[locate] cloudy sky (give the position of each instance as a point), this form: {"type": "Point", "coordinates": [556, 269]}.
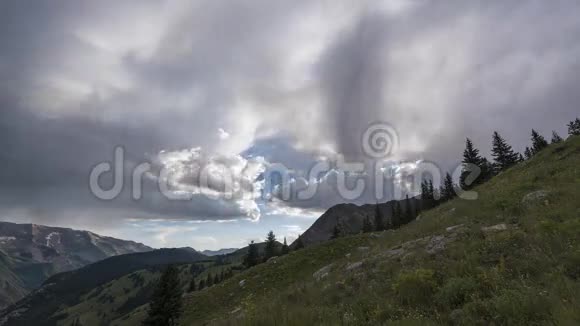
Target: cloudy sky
{"type": "Point", "coordinates": [251, 87]}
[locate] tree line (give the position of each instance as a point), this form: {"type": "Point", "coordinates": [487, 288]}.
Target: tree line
{"type": "Point", "coordinates": [210, 280]}
{"type": "Point", "coordinates": [166, 306]}
{"type": "Point", "coordinates": [271, 249]}
{"type": "Point", "coordinates": [477, 169]}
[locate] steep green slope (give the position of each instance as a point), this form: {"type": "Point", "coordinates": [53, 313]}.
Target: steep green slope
{"type": "Point", "coordinates": [510, 257]}
{"type": "Point", "coordinates": [13, 288]}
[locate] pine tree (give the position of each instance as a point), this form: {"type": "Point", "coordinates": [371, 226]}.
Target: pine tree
{"type": "Point", "coordinates": [367, 225]}
{"type": "Point", "coordinates": [391, 220]}
{"type": "Point", "coordinates": [252, 257]}
{"type": "Point", "coordinates": [427, 195]}
{"type": "Point", "coordinates": [574, 127]}
{"type": "Point", "coordinates": [192, 285]}
{"type": "Point", "coordinates": [472, 158]}
{"type": "Point", "coordinates": [503, 154]}
{"type": "Point", "coordinates": [448, 189]}
{"type": "Point", "coordinates": [271, 249]}
{"type": "Point", "coordinates": [209, 280]}
{"type": "Point", "coordinates": [216, 279]}
{"type": "Point", "coordinates": [396, 214]}
{"type": "Point", "coordinates": [195, 270]}
{"type": "Point", "coordinates": [556, 138]}
{"type": "Point", "coordinates": [299, 243]}
{"type": "Point", "coordinates": [431, 190]}
{"type": "Point", "coordinates": [409, 213]}
{"type": "Point", "coordinates": [379, 219]}
{"type": "Point", "coordinates": [538, 142]}
{"type": "Point", "coordinates": [424, 190]}
{"type": "Point", "coordinates": [528, 153]}
{"type": "Point", "coordinates": [285, 248]}
{"type": "Point", "coordinates": [486, 170]}
{"type": "Point", "coordinates": [201, 285]}
{"type": "Point", "coordinates": [166, 306]}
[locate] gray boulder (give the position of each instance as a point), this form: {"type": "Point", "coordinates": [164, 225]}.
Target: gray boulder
{"type": "Point", "coordinates": [495, 228]}
{"type": "Point", "coordinates": [323, 272]}
{"type": "Point", "coordinates": [353, 266]}
{"type": "Point", "coordinates": [535, 197]}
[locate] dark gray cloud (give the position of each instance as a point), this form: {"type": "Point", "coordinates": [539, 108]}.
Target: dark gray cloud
{"type": "Point", "coordinates": [353, 77]}
{"type": "Point", "coordinates": [289, 81]}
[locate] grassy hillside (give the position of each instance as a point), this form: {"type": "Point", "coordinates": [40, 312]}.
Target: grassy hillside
{"type": "Point", "coordinates": [13, 288]}
{"type": "Point", "coordinates": [31, 253]}
{"type": "Point", "coordinates": [135, 316]}
{"type": "Point", "coordinates": [116, 290]}
{"type": "Point", "coordinates": [500, 259]}
{"type": "Point", "coordinates": [116, 299]}
{"type": "Point", "coordinates": [45, 305]}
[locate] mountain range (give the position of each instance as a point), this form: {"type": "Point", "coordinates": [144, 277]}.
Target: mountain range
{"type": "Point", "coordinates": [224, 251]}
{"type": "Point", "coordinates": [115, 289]}
{"type": "Point", "coordinates": [44, 306]}
{"type": "Point", "coordinates": [30, 253]}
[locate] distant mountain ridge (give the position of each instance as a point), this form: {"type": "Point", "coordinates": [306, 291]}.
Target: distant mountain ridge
{"type": "Point", "coordinates": [68, 288]}
{"type": "Point", "coordinates": [351, 218]}
{"type": "Point", "coordinates": [113, 289]}
{"type": "Point", "coordinates": [223, 251]}
{"type": "Point", "coordinates": [30, 253]}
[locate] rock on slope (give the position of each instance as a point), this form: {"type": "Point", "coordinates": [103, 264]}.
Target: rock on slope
{"type": "Point", "coordinates": [31, 253]}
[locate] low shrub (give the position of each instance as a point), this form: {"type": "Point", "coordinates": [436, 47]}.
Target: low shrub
{"type": "Point", "coordinates": [456, 291]}
{"type": "Point", "coordinates": [415, 288]}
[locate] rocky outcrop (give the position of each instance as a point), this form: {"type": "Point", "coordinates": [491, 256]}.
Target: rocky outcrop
{"type": "Point", "coordinates": [494, 228]}
{"type": "Point", "coordinates": [323, 272]}
{"type": "Point", "coordinates": [350, 217]}
{"type": "Point", "coordinates": [353, 266]}
{"type": "Point", "coordinates": [430, 244]}
{"type": "Point", "coordinates": [437, 243]}
{"type": "Point", "coordinates": [535, 197]}
{"type": "Point", "coordinates": [498, 228]}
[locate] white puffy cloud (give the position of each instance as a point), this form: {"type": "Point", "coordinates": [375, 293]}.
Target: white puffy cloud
{"type": "Point", "coordinates": [192, 174]}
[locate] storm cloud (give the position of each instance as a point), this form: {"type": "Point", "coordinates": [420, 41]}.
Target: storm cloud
{"type": "Point", "coordinates": [257, 83]}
